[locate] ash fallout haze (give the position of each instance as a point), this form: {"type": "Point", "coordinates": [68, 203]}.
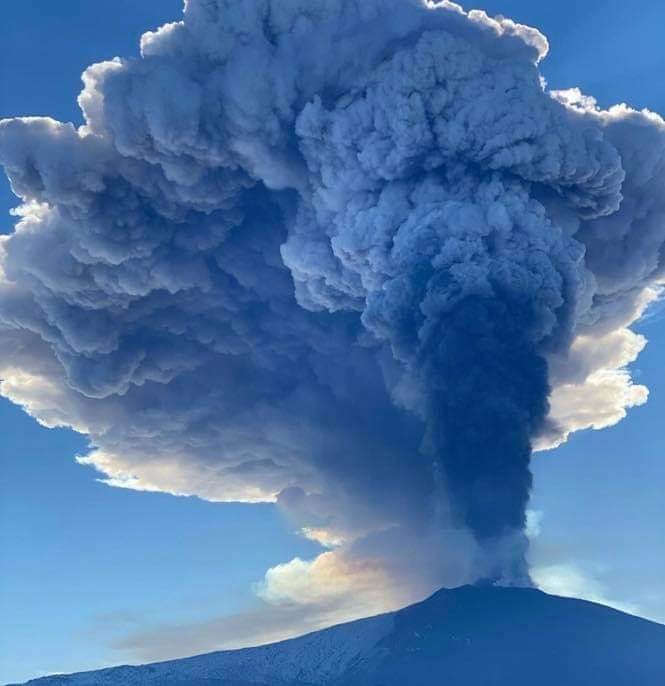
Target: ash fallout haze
{"type": "Point", "coordinates": [354, 258]}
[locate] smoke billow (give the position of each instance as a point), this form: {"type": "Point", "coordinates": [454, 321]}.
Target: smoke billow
{"type": "Point", "coordinates": [351, 257]}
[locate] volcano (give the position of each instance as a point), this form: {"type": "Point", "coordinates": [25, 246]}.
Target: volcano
{"type": "Point", "coordinates": [469, 636]}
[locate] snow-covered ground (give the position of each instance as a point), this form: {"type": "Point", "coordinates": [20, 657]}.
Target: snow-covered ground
{"type": "Point", "coordinates": [470, 636]}
{"type": "Point", "coordinates": [322, 657]}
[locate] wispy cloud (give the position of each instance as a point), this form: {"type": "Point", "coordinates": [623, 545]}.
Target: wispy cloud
{"type": "Point", "coordinates": [569, 579]}
{"type": "Point", "coordinates": [263, 623]}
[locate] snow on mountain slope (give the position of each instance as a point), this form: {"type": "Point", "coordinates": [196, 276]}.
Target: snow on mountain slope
{"type": "Point", "coordinates": [469, 636]}
{"type": "Point", "coordinates": [321, 657]}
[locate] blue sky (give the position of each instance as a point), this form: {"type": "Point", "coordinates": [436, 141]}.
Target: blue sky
{"type": "Point", "coordinates": [82, 564]}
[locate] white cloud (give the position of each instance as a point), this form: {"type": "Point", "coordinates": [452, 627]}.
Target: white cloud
{"type": "Point", "coordinates": [534, 519]}
{"type": "Point", "coordinates": [347, 587]}
{"type": "Point", "coordinates": [568, 579]}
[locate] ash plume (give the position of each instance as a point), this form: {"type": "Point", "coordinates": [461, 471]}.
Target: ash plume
{"type": "Point", "coordinates": [351, 257]}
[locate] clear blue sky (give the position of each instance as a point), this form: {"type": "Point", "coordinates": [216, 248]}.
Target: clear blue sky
{"type": "Point", "coordinates": [81, 563]}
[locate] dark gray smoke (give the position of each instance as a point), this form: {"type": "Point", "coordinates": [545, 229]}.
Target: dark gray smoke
{"type": "Point", "coordinates": [337, 254]}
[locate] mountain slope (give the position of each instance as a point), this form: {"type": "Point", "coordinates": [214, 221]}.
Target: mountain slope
{"type": "Point", "coordinates": [469, 636]}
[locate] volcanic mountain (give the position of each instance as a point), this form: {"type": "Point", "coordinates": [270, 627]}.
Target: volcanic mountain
{"type": "Point", "coordinates": [468, 636]}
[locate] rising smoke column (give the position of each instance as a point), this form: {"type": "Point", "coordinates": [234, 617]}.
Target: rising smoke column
{"type": "Point", "coordinates": [458, 268]}
{"type": "Point", "coordinates": [337, 255]}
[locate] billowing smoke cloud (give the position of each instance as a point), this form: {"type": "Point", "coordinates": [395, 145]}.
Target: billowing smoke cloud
{"type": "Point", "coordinates": [349, 256]}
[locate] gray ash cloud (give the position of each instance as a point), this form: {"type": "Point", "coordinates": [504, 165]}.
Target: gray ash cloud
{"type": "Point", "coordinates": [339, 255]}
